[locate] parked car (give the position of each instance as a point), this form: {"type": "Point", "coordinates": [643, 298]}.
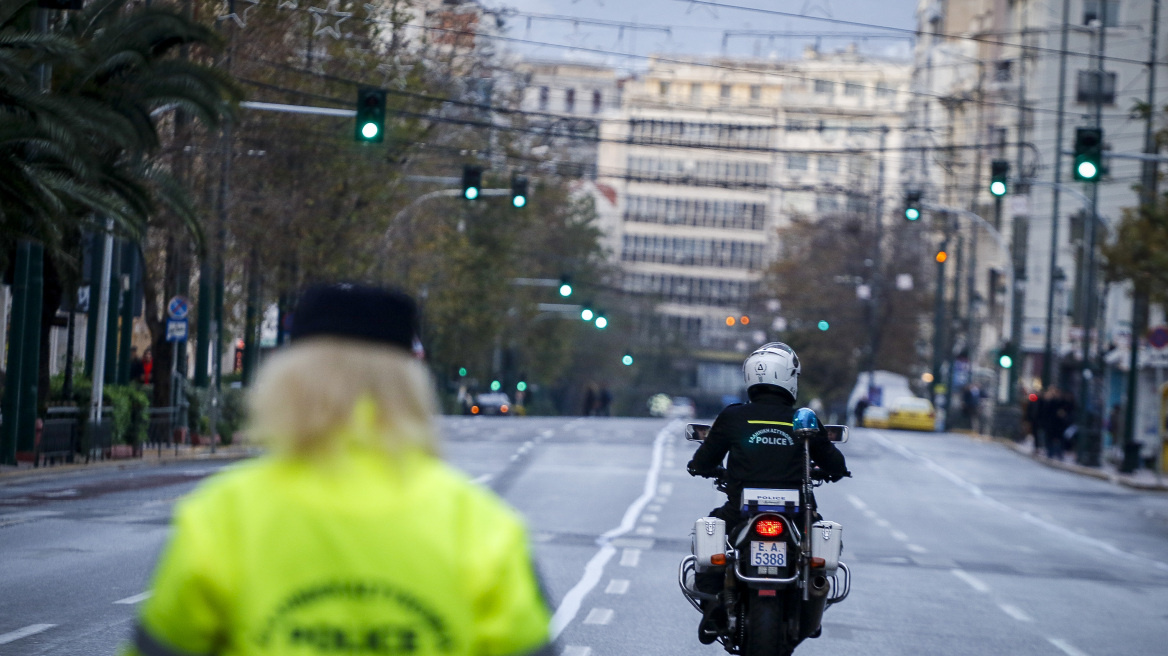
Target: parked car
{"type": "Point", "coordinates": [492, 403]}
{"type": "Point", "coordinates": [912, 413]}
{"type": "Point", "coordinates": [682, 408]}
{"type": "Point", "coordinates": [875, 417]}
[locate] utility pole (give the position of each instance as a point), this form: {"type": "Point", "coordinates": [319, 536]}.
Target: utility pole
{"type": "Point", "coordinates": [939, 332]}
{"type": "Point", "coordinates": [1048, 372]}
{"type": "Point", "coordinates": [1085, 424]}
{"type": "Point", "coordinates": [878, 268]}
{"type": "Point", "coordinates": [1139, 319]}
{"type": "Point", "coordinates": [1020, 228]}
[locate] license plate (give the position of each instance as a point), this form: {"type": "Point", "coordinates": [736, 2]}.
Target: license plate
{"type": "Point", "coordinates": [768, 554]}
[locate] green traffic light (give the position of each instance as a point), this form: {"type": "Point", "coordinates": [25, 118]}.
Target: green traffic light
{"type": "Point", "coordinates": [998, 188]}
{"type": "Point", "coordinates": [519, 201]}
{"type": "Point", "coordinates": [521, 386]}
{"type": "Point", "coordinates": [1006, 361]}
{"type": "Point", "coordinates": [565, 290]}
{"type": "Point", "coordinates": [601, 322]}
{"type": "Point", "coordinates": [369, 130]}
{"type": "Point", "coordinates": [587, 314]}
{"type": "Point", "coordinates": [823, 325]}
{"type": "Point", "coordinates": [496, 386]}
{"type": "Point", "coordinates": [912, 214]}
{"type": "Point", "coordinates": [1088, 170]}
{"type": "Point", "coordinates": [627, 360]}
{"type": "Point", "coordinates": [471, 193]}
{"type": "Point", "coordinates": [462, 371]}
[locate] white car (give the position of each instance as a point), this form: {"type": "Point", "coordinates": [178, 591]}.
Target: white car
{"type": "Point", "coordinates": [682, 408]}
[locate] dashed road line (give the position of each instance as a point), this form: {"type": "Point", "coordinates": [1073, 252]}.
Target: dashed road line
{"type": "Point", "coordinates": [649, 519]}
{"type": "Point", "coordinates": [973, 581]}
{"type": "Point", "coordinates": [617, 586]}
{"type": "Point", "coordinates": [857, 502]}
{"type": "Point", "coordinates": [899, 535]}
{"type": "Point", "coordinates": [599, 616]}
{"type": "Point", "coordinates": [917, 549]}
{"type": "Point", "coordinates": [631, 557]}
{"type": "Point", "coordinates": [576, 650]}
{"type": "Point", "coordinates": [484, 479]}
{"type": "Point", "coordinates": [1015, 612]}
{"type": "Point", "coordinates": [644, 530]}
{"type": "Point", "coordinates": [129, 601]}
{"type": "Point", "coordinates": [883, 523]}
{"type": "Point", "coordinates": [1066, 647]}
{"type": "Point", "coordinates": [31, 629]}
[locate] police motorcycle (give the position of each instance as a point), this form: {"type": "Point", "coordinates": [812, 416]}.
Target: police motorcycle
{"type": "Point", "coordinates": [782, 570]}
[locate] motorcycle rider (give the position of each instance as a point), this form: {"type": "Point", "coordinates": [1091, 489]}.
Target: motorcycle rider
{"type": "Point", "coordinates": [763, 452]}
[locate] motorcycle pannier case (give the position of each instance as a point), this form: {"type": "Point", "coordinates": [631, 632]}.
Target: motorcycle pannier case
{"type": "Point", "coordinates": [827, 543]}
{"type": "Point", "coordinates": [709, 541]}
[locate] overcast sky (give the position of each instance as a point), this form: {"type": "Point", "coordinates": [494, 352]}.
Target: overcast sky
{"type": "Point", "coordinates": [700, 28]}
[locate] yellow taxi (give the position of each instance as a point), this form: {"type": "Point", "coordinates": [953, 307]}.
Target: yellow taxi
{"type": "Point", "coordinates": [874, 417]}
{"type": "Point", "coordinates": [912, 413]}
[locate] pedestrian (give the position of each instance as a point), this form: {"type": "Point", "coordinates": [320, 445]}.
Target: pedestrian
{"type": "Point", "coordinates": [604, 402]}
{"type": "Point", "coordinates": [591, 398]}
{"type": "Point", "coordinates": [861, 406]}
{"type": "Point", "coordinates": [351, 536]}
{"type": "Point", "coordinates": [147, 367]}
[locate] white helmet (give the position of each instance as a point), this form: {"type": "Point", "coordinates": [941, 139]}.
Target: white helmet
{"type": "Point", "coordinates": [773, 364]}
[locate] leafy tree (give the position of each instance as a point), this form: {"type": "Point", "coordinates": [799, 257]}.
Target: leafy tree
{"type": "Point", "coordinates": [1139, 252]}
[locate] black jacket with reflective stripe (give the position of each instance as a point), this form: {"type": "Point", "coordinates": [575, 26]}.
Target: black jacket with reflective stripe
{"type": "Point", "coordinates": [763, 449]}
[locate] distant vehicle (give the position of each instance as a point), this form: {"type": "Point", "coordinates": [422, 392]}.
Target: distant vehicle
{"type": "Point", "coordinates": [912, 413]}
{"type": "Point", "coordinates": [875, 417]}
{"type": "Point", "coordinates": [492, 403]}
{"type": "Point", "coordinates": [682, 408]}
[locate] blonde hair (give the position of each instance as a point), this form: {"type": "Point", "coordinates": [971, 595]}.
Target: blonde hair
{"type": "Point", "coordinates": [305, 394]}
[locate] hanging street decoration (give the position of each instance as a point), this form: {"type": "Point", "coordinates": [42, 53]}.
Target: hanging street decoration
{"type": "Point", "coordinates": [241, 21]}
{"type": "Point", "coordinates": [323, 27]}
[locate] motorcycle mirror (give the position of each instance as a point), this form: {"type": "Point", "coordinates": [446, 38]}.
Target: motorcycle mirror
{"type": "Point", "coordinates": [696, 432]}
{"type": "Point", "coordinates": [837, 434]}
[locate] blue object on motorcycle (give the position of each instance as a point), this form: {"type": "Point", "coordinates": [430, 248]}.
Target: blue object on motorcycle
{"type": "Point", "coordinates": [806, 421]}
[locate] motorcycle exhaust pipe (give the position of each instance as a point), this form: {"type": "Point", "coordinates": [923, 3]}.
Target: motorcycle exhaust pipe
{"type": "Point", "coordinates": [812, 615]}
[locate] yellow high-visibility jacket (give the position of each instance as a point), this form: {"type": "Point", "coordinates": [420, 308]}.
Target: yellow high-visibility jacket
{"type": "Point", "coordinates": [355, 554]}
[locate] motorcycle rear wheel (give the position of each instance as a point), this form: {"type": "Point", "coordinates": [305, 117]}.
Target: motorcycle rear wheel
{"type": "Point", "coordinates": [764, 628]}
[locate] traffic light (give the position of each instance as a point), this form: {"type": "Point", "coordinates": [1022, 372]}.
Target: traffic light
{"type": "Point", "coordinates": [912, 205]}
{"type": "Point", "coordinates": [472, 181]}
{"type": "Point", "coordinates": [999, 172]}
{"type": "Point", "coordinates": [1088, 154]}
{"type": "Point", "coordinates": [565, 286]}
{"type": "Point", "coordinates": [370, 124]}
{"type": "Point", "coordinates": [627, 360]}
{"type": "Point", "coordinates": [519, 191]}
{"type": "Point", "coordinates": [521, 386]}
{"type": "Point", "coordinates": [1006, 355]}
{"type": "Point", "coordinates": [941, 256]}
{"type": "Point", "coordinates": [496, 386]}
{"type": "Point", "coordinates": [823, 325]}
{"type": "Point", "coordinates": [601, 321]}
{"type": "Point", "coordinates": [586, 312]}
{"type": "Point", "coordinates": [462, 372]}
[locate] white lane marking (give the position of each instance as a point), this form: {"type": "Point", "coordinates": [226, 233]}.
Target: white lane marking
{"type": "Point", "coordinates": [659, 499]}
{"type": "Point", "coordinates": [1015, 612]}
{"type": "Point", "coordinates": [576, 650]}
{"type": "Point", "coordinates": [482, 480]}
{"type": "Point", "coordinates": [129, 601]}
{"type": "Point", "coordinates": [917, 549]}
{"type": "Point", "coordinates": [599, 616]}
{"type": "Point", "coordinates": [870, 514]}
{"type": "Point", "coordinates": [655, 508]}
{"type": "Point", "coordinates": [899, 536]}
{"type": "Point", "coordinates": [31, 629]}
{"type": "Point", "coordinates": [617, 586]}
{"type": "Point", "coordinates": [630, 558]}
{"type": "Point", "coordinates": [649, 519]}
{"type": "Point", "coordinates": [514, 457]}
{"type": "Point", "coordinates": [56, 494]}
{"type": "Point", "coordinates": [1010, 511]}
{"type": "Point", "coordinates": [644, 530]}
{"type": "Point", "coordinates": [973, 582]}
{"type": "Point", "coordinates": [883, 523]}
{"type": "Point", "coordinates": [570, 605]}
{"type": "Point", "coordinates": [1066, 647]}
{"type": "Point", "coordinates": [857, 502]}
{"type": "Point", "coordinates": [547, 433]}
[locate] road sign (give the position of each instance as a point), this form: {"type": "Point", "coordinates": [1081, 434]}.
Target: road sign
{"type": "Point", "coordinates": [178, 308]}
{"type": "Point", "coordinates": [1158, 337]}
{"type": "Point", "coordinates": [177, 330]}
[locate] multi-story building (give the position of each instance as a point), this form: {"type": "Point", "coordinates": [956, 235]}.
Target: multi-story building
{"type": "Point", "coordinates": [992, 80]}
{"type": "Point", "coordinates": [710, 157]}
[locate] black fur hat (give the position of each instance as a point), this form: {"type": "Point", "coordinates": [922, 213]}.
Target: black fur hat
{"type": "Point", "coordinates": [355, 311]}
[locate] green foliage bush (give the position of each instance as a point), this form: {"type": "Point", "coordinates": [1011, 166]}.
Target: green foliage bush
{"type": "Point", "coordinates": [131, 415]}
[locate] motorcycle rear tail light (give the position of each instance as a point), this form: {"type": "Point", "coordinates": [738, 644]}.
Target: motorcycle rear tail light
{"type": "Point", "coordinates": [818, 562]}
{"type": "Point", "coordinates": [718, 559]}
{"type": "Point", "coordinates": [474, 409]}
{"type": "Point", "coordinates": [768, 527]}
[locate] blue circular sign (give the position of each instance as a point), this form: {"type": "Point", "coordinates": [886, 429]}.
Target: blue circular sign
{"type": "Point", "coordinates": [1158, 337]}
{"type": "Point", "coordinates": [178, 308]}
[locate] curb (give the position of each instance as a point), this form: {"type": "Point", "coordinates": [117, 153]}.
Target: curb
{"type": "Point", "coordinates": [1111, 477]}
{"type": "Point", "coordinates": [38, 473]}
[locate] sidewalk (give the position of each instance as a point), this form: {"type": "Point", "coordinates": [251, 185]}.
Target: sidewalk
{"type": "Point", "coordinates": [151, 457]}
{"type": "Point", "coordinates": [1141, 479]}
